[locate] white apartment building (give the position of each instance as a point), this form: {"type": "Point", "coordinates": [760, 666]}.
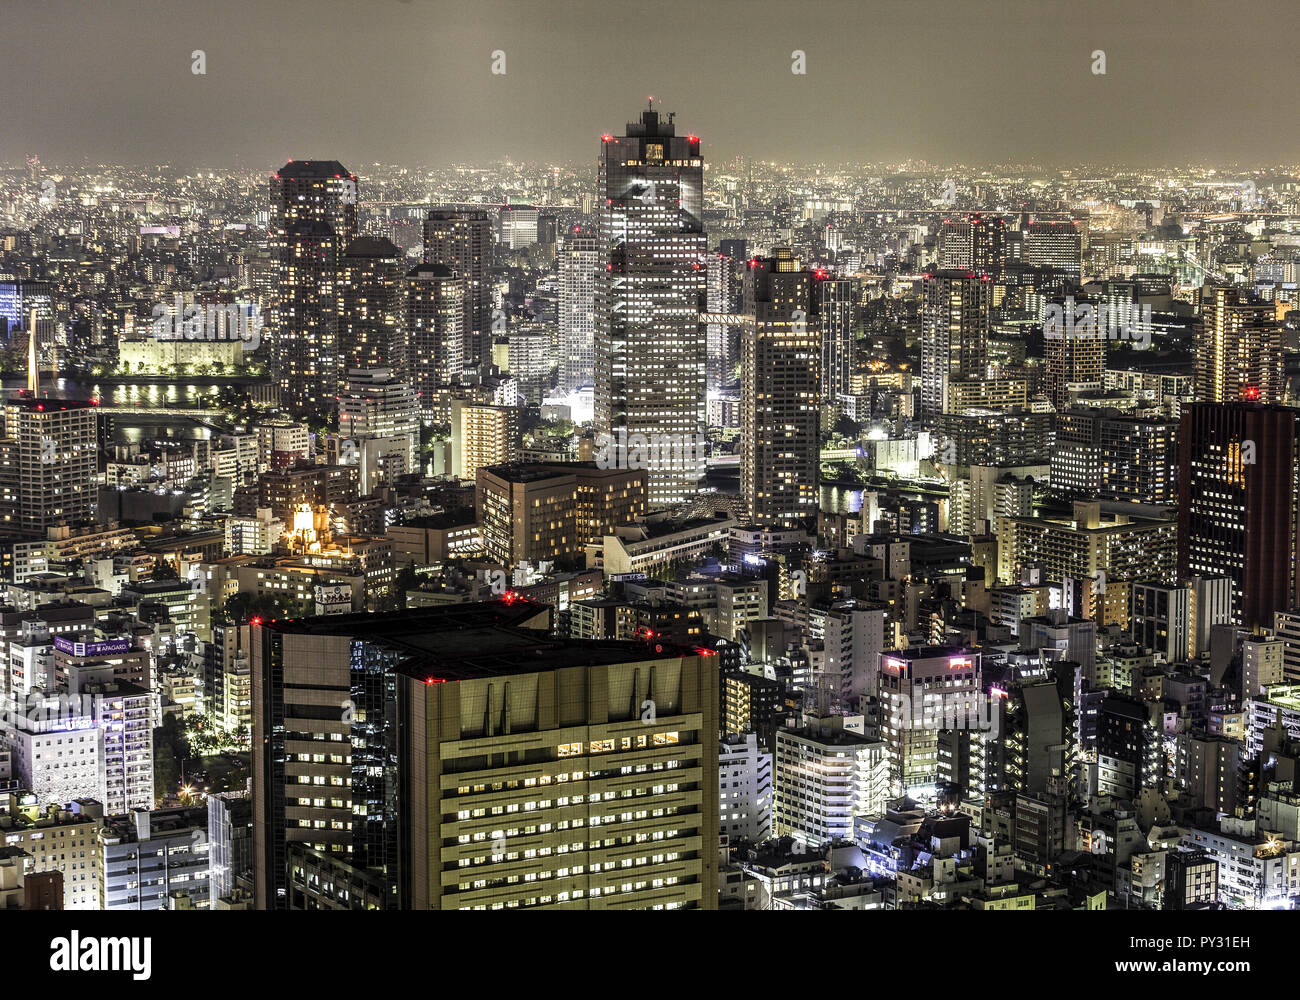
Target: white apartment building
{"type": "Point", "coordinates": [1256, 872]}
{"type": "Point", "coordinates": [744, 789]}
{"type": "Point", "coordinates": [824, 777]}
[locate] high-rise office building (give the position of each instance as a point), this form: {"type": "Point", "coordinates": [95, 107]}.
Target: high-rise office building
{"type": "Point", "coordinates": [1115, 455]}
{"type": "Point", "coordinates": [461, 239]}
{"type": "Point", "coordinates": [780, 458]}
{"type": "Point", "coordinates": [580, 264]}
{"type": "Point", "coordinates": [1237, 503]}
{"type": "Point", "coordinates": [459, 758]}
{"type": "Point", "coordinates": [1139, 458]}
{"type": "Point", "coordinates": [535, 512]}
{"type": "Point", "coordinates": [1128, 748]}
{"type": "Point", "coordinates": [1053, 245]}
{"type": "Point", "coordinates": [49, 459]}
{"type": "Point", "coordinates": [976, 244]}
{"type": "Point", "coordinates": [437, 342]}
{"type": "Point", "coordinates": [370, 304]}
{"type": "Point", "coordinates": [313, 218]}
{"type": "Point", "coordinates": [955, 313]}
{"type": "Point", "coordinates": [650, 348]}
{"type": "Point", "coordinates": [722, 338]}
{"type": "Point", "coordinates": [1074, 349]}
{"type": "Point", "coordinates": [836, 312]}
{"type": "Point", "coordinates": [1238, 348]}
{"type": "Point", "coordinates": [517, 226]}
{"type": "Point", "coordinates": [1160, 619]}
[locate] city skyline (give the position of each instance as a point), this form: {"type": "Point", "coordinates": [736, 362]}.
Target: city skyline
{"type": "Point", "coordinates": [626, 522]}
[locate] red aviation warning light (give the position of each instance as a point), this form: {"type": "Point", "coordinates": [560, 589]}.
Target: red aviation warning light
{"type": "Point", "coordinates": [1250, 392]}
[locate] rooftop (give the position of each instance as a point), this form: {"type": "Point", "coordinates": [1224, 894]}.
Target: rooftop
{"type": "Point", "coordinates": [484, 639]}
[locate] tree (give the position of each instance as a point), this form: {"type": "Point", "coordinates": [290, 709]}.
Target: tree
{"type": "Point", "coordinates": [241, 608]}
{"type": "Point", "coordinates": [163, 570]}
{"type": "Point", "coordinates": [846, 428]}
{"type": "Point", "coordinates": [169, 747]}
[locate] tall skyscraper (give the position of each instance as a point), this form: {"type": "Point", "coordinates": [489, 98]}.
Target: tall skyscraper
{"type": "Point", "coordinates": [461, 239]}
{"type": "Point", "coordinates": [370, 310]}
{"type": "Point", "coordinates": [1238, 348]}
{"type": "Point", "coordinates": [780, 457]}
{"type": "Point", "coordinates": [1074, 350]}
{"type": "Point", "coordinates": [955, 313]}
{"type": "Point", "coordinates": [459, 758]}
{"type": "Point", "coordinates": [580, 265]}
{"type": "Point", "coordinates": [1237, 503]}
{"type": "Point", "coordinates": [650, 348]}
{"type": "Point", "coordinates": [49, 458]}
{"type": "Point", "coordinates": [306, 338]}
{"type": "Point", "coordinates": [313, 217]}
{"type": "Point", "coordinates": [836, 312]}
{"type": "Point", "coordinates": [722, 340]}
{"type": "Point", "coordinates": [437, 342]}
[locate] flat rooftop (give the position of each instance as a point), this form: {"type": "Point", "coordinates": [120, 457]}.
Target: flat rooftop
{"type": "Point", "coordinates": [482, 639]}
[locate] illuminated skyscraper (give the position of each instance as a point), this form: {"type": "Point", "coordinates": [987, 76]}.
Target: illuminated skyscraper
{"type": "Point", "coordinates": [1074, 349]}
{"type": "Point", "coordinates": [955, 313]}
{"type": "Point", "coordinates": [379, 414]}
{"type": "Point", "coordinates": [49, 457]}
{"type": "Point", "coordinates": [781, 354]}
{"type": "Point", "coordinates": [432, 760]}
{"type": "Point", "coordinates": [650, 348]}
{"type": "Point", "coordinates": [370, 310]}
{"type": "Point", "coordinates": [313, 217]}
{"type": "Point", "coordinates": [977, 243]}
{"type": "Point", "coordinates": [306, 339]}
{"type": "Point", "coordinates": [910, 684]}
{"type": "Point", "coordinates": [461, 239]}
{"type": "Point", "coordinates": [1238, 348]}
{"type": "Point", "coordinates": [436, 340]}
{"type": "Point", "coordinates": [580, 265]}
{"type": "Point", "coordinates": [836, 312]}
{"type": "Point", "coordinates": [1057, 246]}
{"type": "Point", "coordinates": [722, 339]}
{"type": "Point", "coordinates": [1237, 503]}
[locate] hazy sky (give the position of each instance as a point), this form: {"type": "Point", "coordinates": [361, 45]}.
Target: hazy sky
{"type": "Point", "coordinates": [410, 81]}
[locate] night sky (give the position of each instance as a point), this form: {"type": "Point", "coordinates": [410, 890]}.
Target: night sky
{"type": "Point", "coordinates": [409, 81]}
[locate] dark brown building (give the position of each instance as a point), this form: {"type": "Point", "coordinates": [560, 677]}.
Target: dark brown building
{"type": "Point", "coordinates": [1237, 503]}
